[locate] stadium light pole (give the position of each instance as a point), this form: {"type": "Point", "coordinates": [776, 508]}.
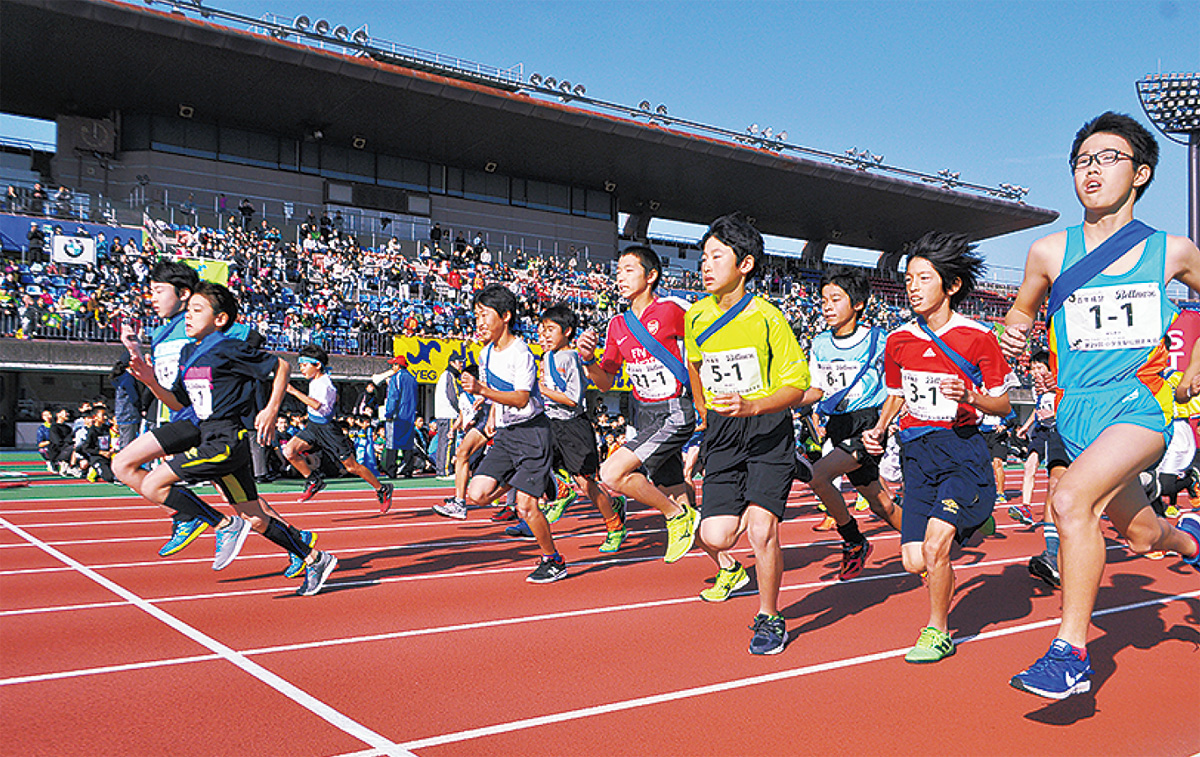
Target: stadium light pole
{"type": "Point", "coordinates": [1172, 102]}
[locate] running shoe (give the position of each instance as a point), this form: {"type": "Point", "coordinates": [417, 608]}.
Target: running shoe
{"type": "Point", "coordinates": [614, 539]}
{"type": "Point", "coordinates": [384, 494]}
{"type": "Point", "coordinates": [932, 646]}
{"type": "Point", "coordinates": [520, 530]}
{"type": "Point", "coordinates": [770, 634]}
{"type": "Point", "coordinates": [1060, 673]}
{"type": "Point", "coordinates": [316, 574]}
{"type": "Point", "coordinates": [854, 558]}
{"type": "Point", "coordinates": [1172, 511]}
{"type": "Point", "coordinates": [549, 570]}
{"type": "Point", "coordinates": [861, 504]}
{"type": "Point", "coordinates": [1190, 525]}
{"type": "Point", "coordinates": [555, 509]}
{"type": "Point", "coordinates": [296, 566]}
{"type": "Point", "coordinates": [620, 507]}
{"type": "Point", "coordinates": [502, 515]}
{"type": "Point", "coordinates": [452, 508]}
{"type": "Point", "coordinates": [229, 541]}
{"type": "Point", "coordinates": [183, 533]}
{"type": "Point", "coordinates": [314, 485]}
{"type": "Point", "coordinates": [681, 533]}
{"type": "Point", "coordinates": [826, 525]}
{"type": "Point", "coordinates": [728, 581]}
{"type": "Point", "coordinates": [1021, 513]}
{"type": "Point", "coordinates": [1001, 499]}
{"type": "Point", "coordinates": [1046, 568]}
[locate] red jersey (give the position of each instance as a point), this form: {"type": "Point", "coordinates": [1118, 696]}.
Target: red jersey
{"type": "Point", "coordinates": [914, 368]}
{"type": "Point", "coordinates": [651, 380]}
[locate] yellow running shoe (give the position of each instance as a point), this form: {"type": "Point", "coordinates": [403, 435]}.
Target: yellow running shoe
{"type": "Point", "coordinates": [728, 581]}
{"type": "Point", "coordinates": [681, 533]}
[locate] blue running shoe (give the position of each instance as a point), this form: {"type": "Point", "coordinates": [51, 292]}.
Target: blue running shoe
{"type": "Point", "coordinates": [521, 530]}
{"type": "Point", "coordinates": [296, 566]}
{"type": "Point", "coordinates": [1190, 525]}
{"type": "Point", "coordinates": [229, 541]}
{"type": "Point", "coordinates": [770, 635]}
{"type": "Point", "coordinates": [184, 533]}
{"type": "Point", "coordinates": [1060, 673]}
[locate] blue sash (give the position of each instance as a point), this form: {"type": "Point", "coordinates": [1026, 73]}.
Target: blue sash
{"type": "Point", "coordinates": [725, 318]}
{"type": "Point", "coordinates": [204, 347]}
{"type": "Point", "coordinates": [1090, 265]}
{"type": "Point", "coordinates": [970, 369]}
{"type": "Point", "coordinates": [656, 348]}
{"type": "Point", "coordinates": [559, 380]}
{"type": "Point", "coordinates": [830, 403]}
{"type": "Point", "coordinates": [165, 331]}
{"type": "Point", "coordinates": [493, 380]}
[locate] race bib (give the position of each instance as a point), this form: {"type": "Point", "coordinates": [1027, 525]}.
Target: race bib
{"type": "Point", "coordinates": [923, 396]}
{"type": "Point", "coordinates": [652, 380]}
{"type": "Point", "coordinates": [198, 384]}
{"type": "Point", "coordinates": [166, 361]}
{"type": "Point", "coordinates": [834, 376]}
{"type": "Point", "coordinates": [1121, 317]}
{"type": "Point", "coordinates": [731, 372]}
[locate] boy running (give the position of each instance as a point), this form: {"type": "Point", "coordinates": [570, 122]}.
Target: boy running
{"type": "Point", "coordinates": [649, 466]}
{"type": "Point", "coordinates": [322, 433]}
{"type": "Point", "coordinates": [948, 373]}
{"type": "Point", "coordinates": [747, 370]}
{"type": "Point", "coordinates": [1106, 326]}
{"type": "Point", "coordinates": [218, 378]}
{"type": "Point", "coordinates": [847, 365]}
{"type": "Point", "coordinates": [563, 385]}
{"type": "Point", "coordinates": [520, 454]}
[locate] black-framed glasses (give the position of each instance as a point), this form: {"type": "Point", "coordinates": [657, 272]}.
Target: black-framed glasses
{"type": "Point", "coordinates": [1104, 158]}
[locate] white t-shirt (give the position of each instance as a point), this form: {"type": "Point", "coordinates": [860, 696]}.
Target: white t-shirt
{"type": "Point", "coordinates": [515, 365]}
{"type": "Point", "coordinates": [444, 406]}
{"type": "Point", "coordinates": [322, 390]}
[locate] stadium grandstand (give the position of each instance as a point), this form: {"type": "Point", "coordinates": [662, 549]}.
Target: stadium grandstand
{"type": "Point", "coordinates": [351, 222]}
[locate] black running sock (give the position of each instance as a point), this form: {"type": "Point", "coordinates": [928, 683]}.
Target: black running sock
{"type": "Point", "coordinates": [287, 537]}
{"type": "Point", "coordinates": [186, 503]}
{"type": "Point", "coordinates": [850, 532]}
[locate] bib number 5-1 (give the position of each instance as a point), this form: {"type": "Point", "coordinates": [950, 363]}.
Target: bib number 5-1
{"type": "Point", "coordinates": [731, 372]}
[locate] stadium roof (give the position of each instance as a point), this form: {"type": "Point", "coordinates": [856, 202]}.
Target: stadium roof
{"type": "Point", "coordinates": [91, 57]}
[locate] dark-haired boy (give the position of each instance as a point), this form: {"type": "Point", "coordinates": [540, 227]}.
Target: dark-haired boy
{"type": "Point", "coordinates": [1107, 318]}
{"type": "Point", "coordinates": [847, 366]}
{"type": "Point", "coordinates": [520, 454]}
{"type": "Point", "coordinates": [218, 377]}
{"type": "Point", "coordinates": [563, 385]}
{"type": "Point", "coordinates": [747, 370]}
{"type": "Point", "coordinates": [647, 341]}
{"type": "Point", "coordinates": [96, 447]}
{"type": "Point", "coordinates": [322, 433]}
{"type": "Point", "coordinates": [946, 370]}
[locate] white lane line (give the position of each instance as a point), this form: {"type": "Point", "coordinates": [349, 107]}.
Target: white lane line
{"type": "Point", "coordinates": [698, 691]}
{"type": "Point", "coordinates": [284, 687]}
{"type": "Point", "coordinates": [478, 625]}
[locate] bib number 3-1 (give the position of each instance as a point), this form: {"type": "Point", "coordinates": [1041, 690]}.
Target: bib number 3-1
{"type": "Point", "coordinates": [1114, 317]}
{"type": "Point", "coordinates": [731, 372]}
{"type": "Point", "coordinates": [923, 396]}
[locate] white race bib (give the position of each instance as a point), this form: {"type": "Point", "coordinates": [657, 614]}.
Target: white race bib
{"type": "Point", "coordinates": [198, 384]}
{"type": "Point", "coordinates": [1120, 317]}
{"type": "Point", "coordinates": [923, 396]}
{"type": "Point", "coordinates": [731, 372]}
{"type": "Point", "coordinates": [834, 376]}
{"type": "Point", "coordinates": [652, 380]}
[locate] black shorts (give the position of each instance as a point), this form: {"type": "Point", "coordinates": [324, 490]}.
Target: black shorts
{"type": "Point", "coordinates": [747, 461]}
{"type": "Point", "coordinates": [520, 456]}
{"type": "Point", "coordinates": [223, 457]}
{"type": "Point", "coordinates": [575, 445]}
{"type": "Point", "coordinates": [996, 443]}
{"type": "Point", "coordinates": [177, 436]}
{"type": "Point", "coordinates": [1056, 452]}
{"type": "Point", "coordinates": [844, 431]}
{"type": "Point", "coordinates": [662, 430]}
{"type": "Point", "coordinates": [327, 437]}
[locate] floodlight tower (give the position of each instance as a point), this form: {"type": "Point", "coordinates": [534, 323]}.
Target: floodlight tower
{"type": "Point", "coordinates": [1172, 102]}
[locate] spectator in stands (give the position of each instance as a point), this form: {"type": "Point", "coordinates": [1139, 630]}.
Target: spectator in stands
{"type": "Point", "coordinates": [246, 208]}
{"type": "Point", "coordinates": [435, 235]}
{"type": "Point", "coordinates": [62, 202]}
{"type": "Point", "coordinates": [37, 241]}
{"type": "Point", "coordinates": [38, 199]}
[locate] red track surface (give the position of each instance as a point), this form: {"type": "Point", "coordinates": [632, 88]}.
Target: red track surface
{"type": "Point", "coordinates": [428, 639]}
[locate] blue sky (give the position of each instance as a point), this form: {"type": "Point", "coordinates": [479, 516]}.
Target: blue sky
{"type": "Point", "coordinates": [993, 90]}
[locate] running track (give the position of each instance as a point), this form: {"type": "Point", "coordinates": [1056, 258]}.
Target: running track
{"type": "Point", "coordinates": [428, 641]}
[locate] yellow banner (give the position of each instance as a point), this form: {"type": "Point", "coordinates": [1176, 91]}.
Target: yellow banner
{"type": "Point", "coordinates": [428, 358]}
{"type": "Point", "coordinates": [214, 271]}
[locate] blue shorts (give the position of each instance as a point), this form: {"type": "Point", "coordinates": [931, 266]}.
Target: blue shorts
{"type": "Point", "coordinates": [1083, 414]}
{"type": "Point", "coordinates": [947, 475]}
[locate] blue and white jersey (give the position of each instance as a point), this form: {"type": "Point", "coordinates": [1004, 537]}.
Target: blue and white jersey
{"type": "Point", "coordinates": [835, 361]}
{"type": "Point", "coordinates": [166, 343]}
{"type": "Point", "coordinates": [563, 372]}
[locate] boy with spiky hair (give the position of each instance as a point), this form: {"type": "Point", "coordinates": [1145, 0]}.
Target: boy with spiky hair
{"type": "Point", "coordinates": [847, 365]}
{"type": "Point", "coordinates": [520, 454]}
{"type": "Point", "coordinates": [747, 370]}
{"type": "Point", "coordinates": [948, 373]}
{"type": "Point", "coordinates": [218, 378]}
{"type": "Point", "coordinates": [321, 432]}
{"type": "Point", "coordinates": [564, 384]}
{"type": "Point", "coordinates": [1107, 317]}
